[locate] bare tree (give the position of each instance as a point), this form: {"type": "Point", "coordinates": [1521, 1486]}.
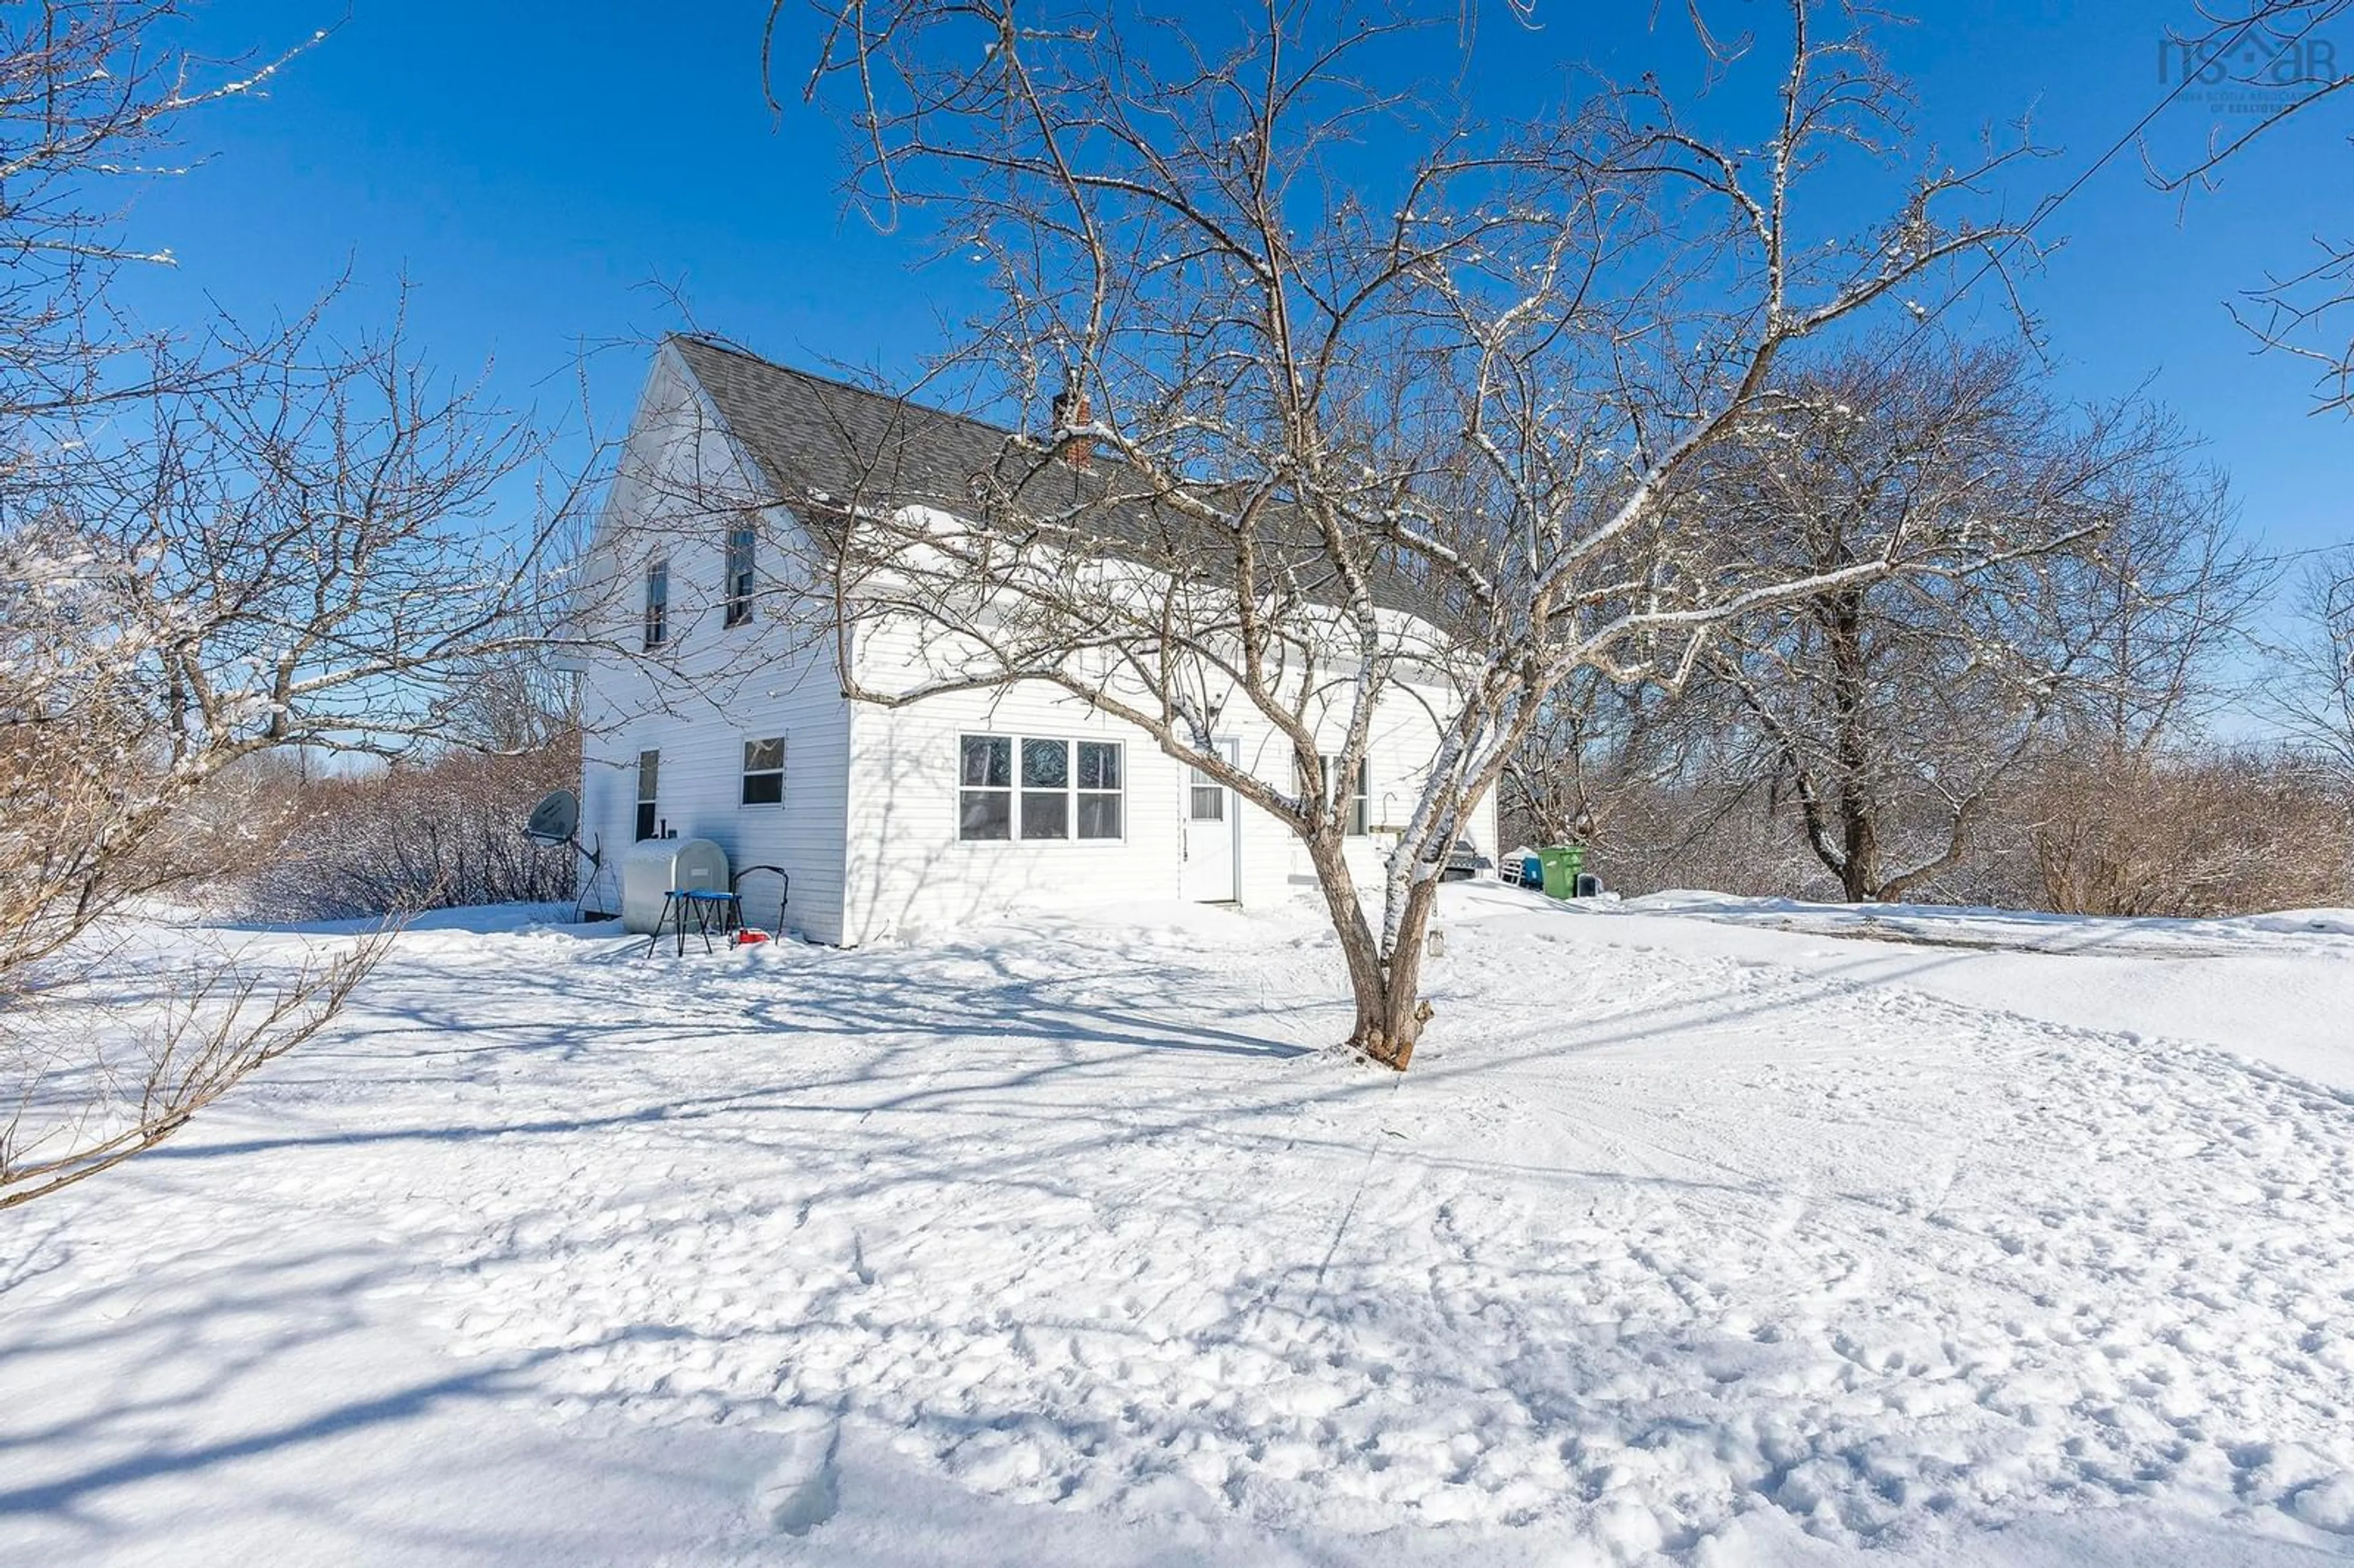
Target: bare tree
{"type": "Point", "coordinates": [2072, 571]}
{"type": "Point", "coordinates": [213, 547]}
{"type": "Point", "coordinates": [1594, 741]}
{"type": "Point", "coordinates": [90, 107]}
{"type": "Point", "coordinates": [2282, 59]}
{"type": "Point", "coordinates": [1371, 403]}
{"type": "Point", "coordinates": [288, 556]}
{"type": "Point", "coordinates": [2313, 697]}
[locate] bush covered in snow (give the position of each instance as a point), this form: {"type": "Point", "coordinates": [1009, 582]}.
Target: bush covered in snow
{"type": "Point", "coordinates": [432, 834]}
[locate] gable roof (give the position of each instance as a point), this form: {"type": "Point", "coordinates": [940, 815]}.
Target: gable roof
{"type": "Point", "coordinates": [817, 438]}
{"type": "Point", "coordinates": [826, 445]}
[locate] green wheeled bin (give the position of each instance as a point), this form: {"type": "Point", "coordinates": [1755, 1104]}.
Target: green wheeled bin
{"type": "Point", "coordinates": [1562, 863]}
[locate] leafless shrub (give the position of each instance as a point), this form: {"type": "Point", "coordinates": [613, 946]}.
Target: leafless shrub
{"type": "Point", "coordinates": [76, 1113]}
{"type": "Point", "coordinates": [216, 547]}
{"type": "Point", "coordinates": [436, 832]}
{"type": "Point", "coordinates": [2204, 834]}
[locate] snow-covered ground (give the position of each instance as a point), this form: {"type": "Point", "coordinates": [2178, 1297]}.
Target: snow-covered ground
{"type": "Point", "coordinates": [1704, 1230]}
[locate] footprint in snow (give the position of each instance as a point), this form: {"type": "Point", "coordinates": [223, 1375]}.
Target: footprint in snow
{"type": "Point", "coordinates": [803, 1490]}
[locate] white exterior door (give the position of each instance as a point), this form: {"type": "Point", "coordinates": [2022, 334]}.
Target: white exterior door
{"type": "Point", "coordinates": [1212, 846]}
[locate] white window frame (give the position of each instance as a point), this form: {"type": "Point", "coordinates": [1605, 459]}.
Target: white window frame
{"type": "Point", "coordinates": [654, 624]}
{"type": "Point", "coordinates": [744, 782]}
{"type": "Point", "coordinates": [1205, 797]}
{"type": "Point", "coordinates": [739, 576]}
{"type": "Point", "coordinates": [646, 808]}
{"type": "Point", "coordinates": [1359, 822]}
{"type": "Point", "coordinates": [1080, 793]}
{"type": "Point", "coordinates": [1070, 791]}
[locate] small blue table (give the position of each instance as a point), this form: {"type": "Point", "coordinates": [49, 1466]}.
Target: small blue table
{"type": "Point", "coordinates": [703, 904]}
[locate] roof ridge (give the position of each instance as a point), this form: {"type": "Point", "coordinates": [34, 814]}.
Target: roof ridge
{"type": "Point", "coordinates": [737, 351]}
{"type": "Point", "coordinates": [815, 438]}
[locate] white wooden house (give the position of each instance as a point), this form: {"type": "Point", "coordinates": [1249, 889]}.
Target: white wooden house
{"type": "Point", "coordinates": [710, 717]}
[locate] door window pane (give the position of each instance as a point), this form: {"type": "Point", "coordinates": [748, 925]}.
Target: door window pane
{"type": "Point", "coordinates": [1208, 802]}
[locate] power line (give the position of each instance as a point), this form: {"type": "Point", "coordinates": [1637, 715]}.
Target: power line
{"type": "Point", "coordinates": [2283, 558]}
{"type": "Point", "coordinates": [2052, 203]}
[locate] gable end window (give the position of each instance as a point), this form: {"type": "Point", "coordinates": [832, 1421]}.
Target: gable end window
{"type": "Point", "coordinates": [657, 603]}
{"type": "Point", "coordinates": [740, 545]}
{"type": "Point", "coordinates": [648, 784]}
{"type": "Point", "coordinates": [1035, 788]}
{"type": "Point", "coordinates": [764, 772]}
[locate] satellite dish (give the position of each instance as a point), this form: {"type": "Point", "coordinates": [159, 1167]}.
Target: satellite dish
{"type": "Point", "coordinates": [555, 820]}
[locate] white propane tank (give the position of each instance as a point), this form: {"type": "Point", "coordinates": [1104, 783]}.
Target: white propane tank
{"type": "Point", "coordinates": [653, 867]}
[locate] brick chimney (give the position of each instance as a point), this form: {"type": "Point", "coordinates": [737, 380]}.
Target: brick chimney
{"type": "Point", "coordinates": [1071, 409]}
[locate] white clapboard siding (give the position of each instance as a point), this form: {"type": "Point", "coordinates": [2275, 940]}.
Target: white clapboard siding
{"type": "Point", "coordinates": [867, 829]}
{"type": "Point", "coordinates": [907, 870]}
{"type": "Point", "coordinates": [719, 686]}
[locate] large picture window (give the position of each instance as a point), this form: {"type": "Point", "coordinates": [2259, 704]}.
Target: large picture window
{"type": "Point", "coordinates": [1032, 787]}
{"type": "Point", "coordinates": [764, 772]}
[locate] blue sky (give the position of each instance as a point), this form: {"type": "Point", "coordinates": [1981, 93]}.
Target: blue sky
{"type": "Point", "coordinates": [543, 173]}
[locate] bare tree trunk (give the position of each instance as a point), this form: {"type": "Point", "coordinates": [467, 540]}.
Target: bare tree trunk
{"type": "Point", "coordinates": [1387, 986]}
{"type": "Point", "coordinates": [1359, 949]}
{"type": "Point", "coordinates": [1408, 1011]}
{"type": "Point", "coordinates": [1858, 864]}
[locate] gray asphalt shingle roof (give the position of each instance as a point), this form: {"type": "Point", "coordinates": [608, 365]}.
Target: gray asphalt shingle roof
{"type": "Point", "coordinates": [815, 437]}
{"type": "Point", "coordinates": [823, 442]}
